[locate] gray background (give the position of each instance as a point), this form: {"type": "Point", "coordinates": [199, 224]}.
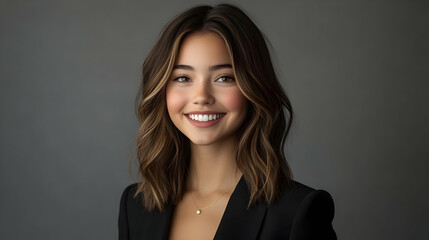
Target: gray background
{"type": "Point", "coordinates": [356, 73]}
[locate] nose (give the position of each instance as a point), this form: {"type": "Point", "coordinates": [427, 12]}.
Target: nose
{"type": "Point", "coordinates": [202, 94]}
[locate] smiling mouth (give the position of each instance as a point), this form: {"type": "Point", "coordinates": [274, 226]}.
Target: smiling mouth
{"type": "Point", "coordinates": [205, 117]}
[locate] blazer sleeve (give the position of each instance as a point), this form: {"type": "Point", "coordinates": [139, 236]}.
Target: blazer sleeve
{"type": "Point", "coordinates": [313, 219]}
{"type": "Point", "coordinates": [123, 216]}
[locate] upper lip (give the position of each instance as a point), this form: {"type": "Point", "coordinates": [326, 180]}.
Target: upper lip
{"type": "Point", "coordinates": [204, 112]}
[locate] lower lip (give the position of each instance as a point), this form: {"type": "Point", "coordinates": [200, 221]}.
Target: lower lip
{"type": "Point", "coordinates": [204, 124]}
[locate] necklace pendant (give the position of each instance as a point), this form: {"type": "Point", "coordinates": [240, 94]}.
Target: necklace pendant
{"type": "Point", "coordinates": [198, 212]}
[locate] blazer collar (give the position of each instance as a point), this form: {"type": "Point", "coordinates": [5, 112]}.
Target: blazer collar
{"type": "Point", "coordinates": [237, 222]}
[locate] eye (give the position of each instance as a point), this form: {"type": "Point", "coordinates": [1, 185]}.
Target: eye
{"type": "Point", "coordinates": [225, 79]}
{"type": "Point", "coordinates": [181, 79]}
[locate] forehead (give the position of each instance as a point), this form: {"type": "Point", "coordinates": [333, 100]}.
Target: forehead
{"type": "Point", "coordinates": [202, 49]}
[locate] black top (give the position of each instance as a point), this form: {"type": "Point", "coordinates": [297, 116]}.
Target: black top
{"type": "Point", "coordinates": [300, 213]}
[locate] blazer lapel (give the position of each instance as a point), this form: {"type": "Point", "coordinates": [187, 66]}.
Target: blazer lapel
{"type": "Point", "coordinates": [238, 222]}
{"type": "Point", "coordinates": [156, 224]}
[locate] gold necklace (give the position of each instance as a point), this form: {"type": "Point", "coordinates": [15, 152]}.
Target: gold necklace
{"type": "Point", "coordinates": [199, 211]}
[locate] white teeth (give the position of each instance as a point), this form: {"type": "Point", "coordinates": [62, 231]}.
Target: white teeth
{"type": "Point", "coordinates": [205, 117]}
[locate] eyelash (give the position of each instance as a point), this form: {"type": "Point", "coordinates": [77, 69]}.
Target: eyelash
{"type": "Point", "coordinates": [223, 76]}
{"type": "Point", "coordinates": [226, 77]}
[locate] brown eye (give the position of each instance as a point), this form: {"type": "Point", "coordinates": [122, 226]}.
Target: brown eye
{"type": "Point", "coordinates": [226, 79]}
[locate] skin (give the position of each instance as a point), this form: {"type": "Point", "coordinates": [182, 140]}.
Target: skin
{"type": "Point", "coordinates": [213, 170]}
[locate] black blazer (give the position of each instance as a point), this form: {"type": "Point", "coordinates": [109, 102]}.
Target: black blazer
{"type": "Point", "coordinates": [300, 213]}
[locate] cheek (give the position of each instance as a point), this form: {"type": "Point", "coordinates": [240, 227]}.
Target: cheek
{"type": "Point", "coordinates": [234, 100]}
{"type": "Point", "coordinates": [175, 101]}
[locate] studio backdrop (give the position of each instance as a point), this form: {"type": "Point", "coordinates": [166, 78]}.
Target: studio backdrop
{"type": "Point", "coordinates": [356, 73]}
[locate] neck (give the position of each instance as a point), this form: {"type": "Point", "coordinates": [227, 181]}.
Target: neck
{"type": "Point", "coordinates": [213, 168]}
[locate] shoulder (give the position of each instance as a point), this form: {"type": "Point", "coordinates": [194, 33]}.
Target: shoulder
{"type": "Point", "coordinates": [128, 198]}
{"type": "Point", "coordinates": [135, 220]}
{"type": "Point", "coordinates": [318, 204]}
{"type": "Point", "coordinates": [124, 207]}
{"type": "Point", "coordinates": [131, 206]}
{"type": "Point", "coordinates": [298, 194]}
{"type": "Point", "coordinates": [129, 191]}
{"type": "Point", "coordinates": [313, 217]}
{"type": "Point", "coordinates": [303, 210]}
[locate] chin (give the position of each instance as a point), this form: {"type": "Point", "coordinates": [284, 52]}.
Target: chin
{"type": "Point", "coordinates": [202, 141]}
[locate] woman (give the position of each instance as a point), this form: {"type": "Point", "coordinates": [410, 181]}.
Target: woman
{"type": "Point", "coordinates": [213, 122]}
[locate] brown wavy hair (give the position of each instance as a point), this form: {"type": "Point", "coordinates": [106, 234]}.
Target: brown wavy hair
{"type": "Point", "coordinates": [163, 152]}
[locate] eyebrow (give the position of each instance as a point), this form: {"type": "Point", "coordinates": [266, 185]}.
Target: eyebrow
{"type": "Point", "coordinates": [211, 68]}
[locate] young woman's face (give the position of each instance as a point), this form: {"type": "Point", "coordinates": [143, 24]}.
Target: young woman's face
{"type": "Point", "coordinates": [203, 99]}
